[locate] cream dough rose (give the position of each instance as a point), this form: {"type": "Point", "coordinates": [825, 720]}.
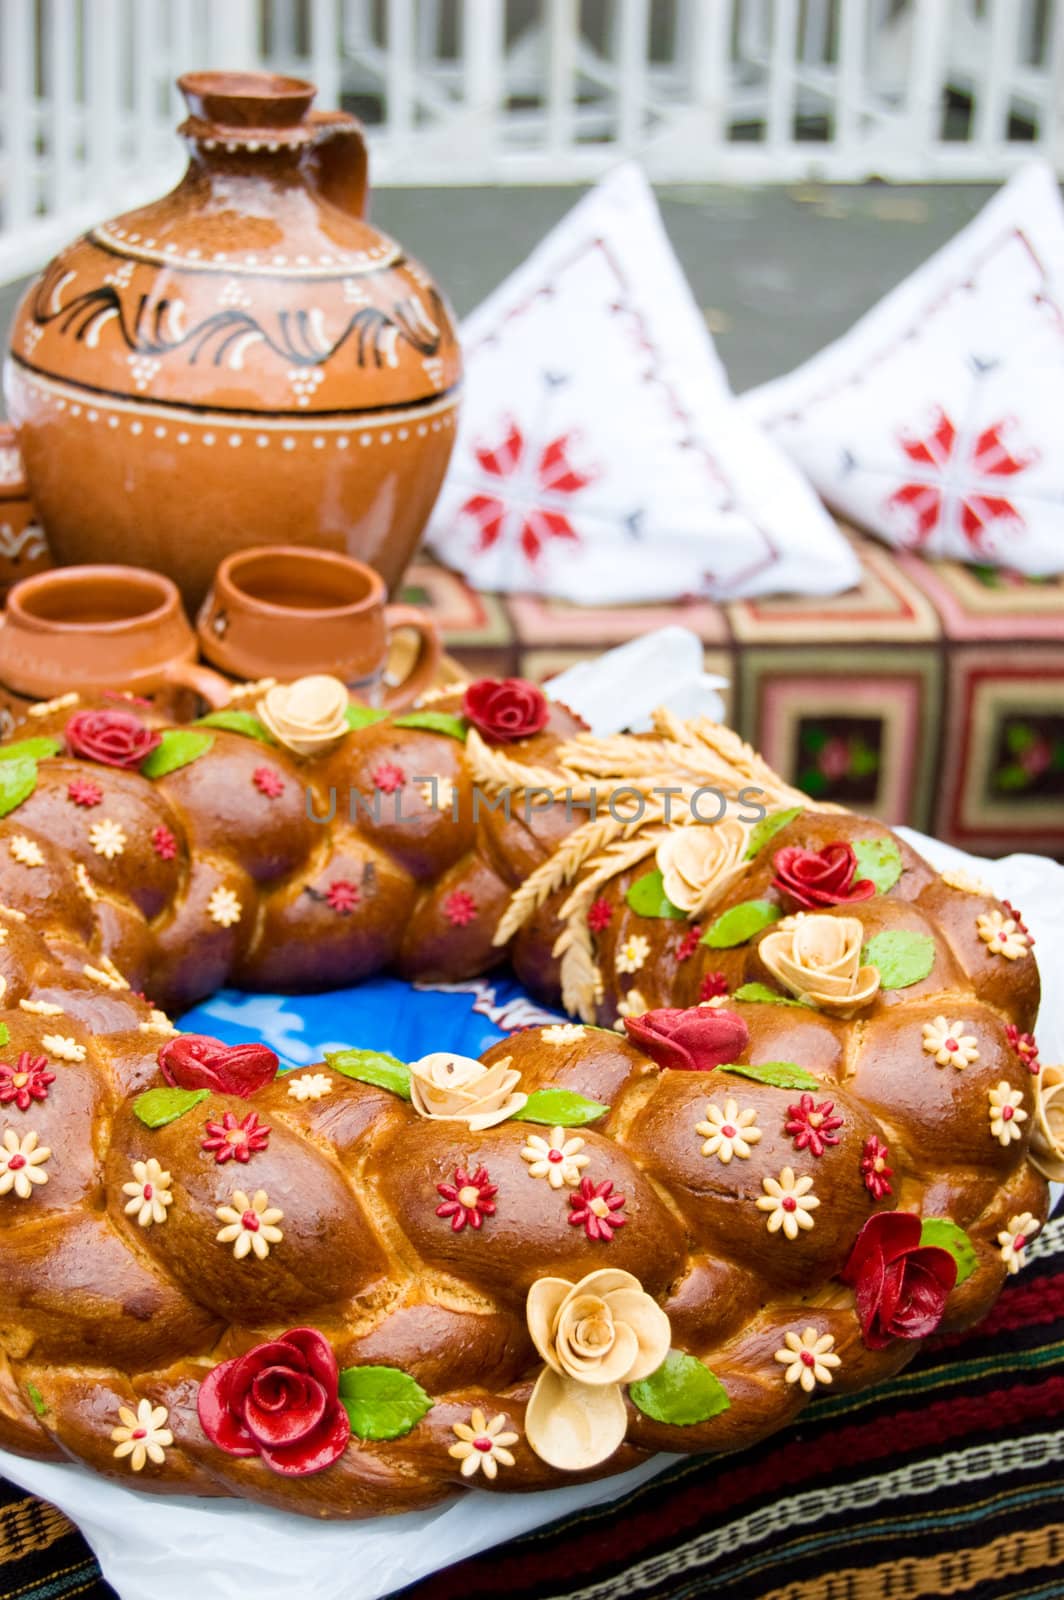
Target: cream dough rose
{"type": "Point", "coordinates": [307, 716]}
{"type": "Point", "coordinates": [1047, 1138]}
{"type": "Point", "coordinates": [594, 1336]}
{"type": "Point", "coordinates": [449, 1088]}
{"type": "Point", "coordinates": [698, 864]}
{"type": "Point", "coordinates": [818, 958]}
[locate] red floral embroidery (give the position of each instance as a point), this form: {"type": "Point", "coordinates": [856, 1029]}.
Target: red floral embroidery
{"type": "Point", "coordinates": [528, 491]}
{"type": "Point", "coordinates": [957, 483]}
{"type": "Point", "coordinates": [388, 777]}
{"type": "Point", "coordinates": [459, 908]}
{"type": "Point", "coordinates": [163, 842]}
{"type": "Point", "coordinates": [1024, 1046]}
{"type": "Point", "coordinates": [469, 1199]}
{"type": "Point", "coordinates": [874, 1169]}
{"type": "Point", "coordinates": [812, 1126]}
{"type": "Point", "coordinates": [232, 1140]}
{"type": "Point", "coordinates": [268, 781]}
{"type": "Point", "coordinates": [84, 792]}
{"type": "Point", "coordinates": [689, 944]}
{"type": "Point", "coordinates": [27, 1080]}
{"type": "Point", "coordinates": [713, 985]}
{"type": "Point", "coordinates": [343, 896]}
{"type": "Point", "coordinates": [598, 917]}
{"type": "Point", "coordinates": [595, 1208]}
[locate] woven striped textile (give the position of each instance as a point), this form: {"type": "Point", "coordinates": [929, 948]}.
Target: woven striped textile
{"type": "Point", "coordinates": [946, 1481]}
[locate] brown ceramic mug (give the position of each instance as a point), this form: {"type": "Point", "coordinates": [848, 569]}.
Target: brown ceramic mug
{"type": "Point", "coordinates": [98, 628]}
{"type": "Point", "coordinates": [285, 611]}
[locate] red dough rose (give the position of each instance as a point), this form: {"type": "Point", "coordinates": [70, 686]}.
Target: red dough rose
{"type": "Point", "coordinates": [900, 1285]}
{"type": "Point", "coordinates": [505, 709]}
{"type": "Point", "coordinates": [114, 738]}
{"type": "Point", "coordinates": [196, 1061]}
{"type": "Point", "coordinates": [693, 1040]}
{"type": "Point", "coordinates": [280, 1402]}
{"type": "Point", "coordinates": [816, 878]}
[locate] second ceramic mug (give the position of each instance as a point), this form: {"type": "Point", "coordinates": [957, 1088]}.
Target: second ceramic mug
{"type": "Point", "coordinates": [284, 611]}
{"type": "Point", "coordinates": [100, 628]}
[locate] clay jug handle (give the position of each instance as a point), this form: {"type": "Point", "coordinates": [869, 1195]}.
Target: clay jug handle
{"type": "Point", "coordinates": [424, 670]}
{"type": "Point", "coordinates": [338, 165]}
{"type": "Point", "coordinates": [210, 686]}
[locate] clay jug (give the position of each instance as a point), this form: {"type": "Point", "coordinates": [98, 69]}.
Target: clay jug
{"type": "Point", "coordinates": [244, 362]}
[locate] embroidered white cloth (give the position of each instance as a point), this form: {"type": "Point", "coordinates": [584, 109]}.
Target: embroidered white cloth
{"type": "Point", "coordinates": [601, 457]}
{"type": "Point", "coordinates": [936, 421]}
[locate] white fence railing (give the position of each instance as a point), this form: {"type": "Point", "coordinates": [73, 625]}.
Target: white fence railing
{"type": "Point", "coordinates": [533, 91]}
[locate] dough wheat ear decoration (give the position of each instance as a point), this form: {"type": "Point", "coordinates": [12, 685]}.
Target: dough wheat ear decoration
{"type": "Point", "coordinates": [358, 1286]}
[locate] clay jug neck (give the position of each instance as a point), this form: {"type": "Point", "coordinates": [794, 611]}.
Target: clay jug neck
{"type": "Point", "coordinates": [246, 127]}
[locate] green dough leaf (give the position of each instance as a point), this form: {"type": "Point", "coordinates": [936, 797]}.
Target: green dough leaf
{"type": "Point", "coordinates": [740, 923]}
{"type": "Point", "coordinates": [36, 1399]}
{"type": "Point", "coordinates": [948, 1236]}
{"type": "Point", "coordinates": [244, 722]}
{"type": "Point", "coordinates": [903, 957]}
{"type": "Point", "coordinates": [767, 828]}
{"type": "Point", "coordinates": [18, 779]}
{"type": "Point", "coordinates": [779, 1074]}
{"type": "Point", "coordinates": [769, 997]}
{"type": "Point", "coordinates": [39, 749]}
{"type": "Point", "coordinates": [880, 860]}
{"type": "Point", "coordinates": [157, 1107]}
{"type": "Point", "coordinates": [363, 716]}
{"type": "Point", "coordinates": [436, 722]}
{"type": "Point", "coordinates": [372, 1066]}
{"type": "Point", "coordinates": [683, 1391]}
{"type": "Point", "coordinates": [180, 747]}
{"type": "Point", "coordinates": [5, 1036]}
{"type": "Point", "coordinates": [382, 1402]}
{"type": "Point", "coordinates": [647, 898]}
{"type": "Point", "coordinates": [560, 1108]}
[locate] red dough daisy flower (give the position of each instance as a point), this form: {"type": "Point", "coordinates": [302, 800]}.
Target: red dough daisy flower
{"type": "Point", "coordinates": [230, 1140]}
{"type": "Point", "coordinates": [460, 908]}
{"type": "Point", "coordinates": [469, 1199]}
{"type": "Point", "coordinates": [596, 1208]}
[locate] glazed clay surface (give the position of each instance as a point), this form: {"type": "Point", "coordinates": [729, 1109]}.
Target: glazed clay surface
{"type": "Point", "coordinates": [23, 549]}
{"type": "Point", "coordinates": [244, 361]}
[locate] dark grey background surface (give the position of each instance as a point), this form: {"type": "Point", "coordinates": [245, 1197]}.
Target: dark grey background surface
{"type": "Point", "coordinates": [778, 271]}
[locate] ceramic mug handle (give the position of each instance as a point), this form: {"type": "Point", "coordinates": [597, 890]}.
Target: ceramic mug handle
{"type": "Point", "coordinates": [422, 673]}
{"type": "Point", "coordinates": [210, 686]}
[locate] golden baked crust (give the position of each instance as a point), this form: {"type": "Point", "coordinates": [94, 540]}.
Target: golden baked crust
{"type": "Point", "coordinates": [113, 883]}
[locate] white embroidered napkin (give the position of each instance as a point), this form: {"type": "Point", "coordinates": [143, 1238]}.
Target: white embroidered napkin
{"type": "Point", "coordinates": [601, 456]}
{"type": "Point", "coordinates": [936, 421]}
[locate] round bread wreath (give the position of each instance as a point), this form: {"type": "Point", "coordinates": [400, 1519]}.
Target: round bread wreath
{"type": "Point", "coordinates": [784, 1139]}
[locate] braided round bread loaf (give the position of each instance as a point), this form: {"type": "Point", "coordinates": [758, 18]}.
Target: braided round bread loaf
{"type": "Point", "coordinates": [786, 1141]}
